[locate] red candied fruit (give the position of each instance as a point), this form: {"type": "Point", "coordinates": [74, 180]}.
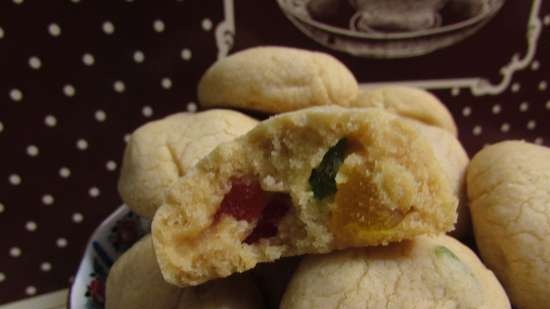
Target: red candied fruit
{"type": "Point", "coordinates": [247, 201]}
{"type": "Point", "coordinates": [276, 209]}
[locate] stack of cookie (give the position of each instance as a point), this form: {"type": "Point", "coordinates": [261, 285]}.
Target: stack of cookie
{"type": "Point", "coordinates": [361, 184]}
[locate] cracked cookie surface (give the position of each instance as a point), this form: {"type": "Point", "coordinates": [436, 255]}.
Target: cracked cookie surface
{"type": "Point", "coordinates": [509, 192]}
{"type": "Point", "coordinates": [427, 272]}
{"type": "Point", "coordinates": [135, 282]}
{"type": "Point", "coordinates": [277, 79]}
{"type": "Point", "coordinates": [161, 151]}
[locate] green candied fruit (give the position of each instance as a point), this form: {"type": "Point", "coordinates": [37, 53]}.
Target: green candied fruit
{"type": "Point", "coordinates": [442, 251]}
{"type": "Point", "coordinates": [322, 178]}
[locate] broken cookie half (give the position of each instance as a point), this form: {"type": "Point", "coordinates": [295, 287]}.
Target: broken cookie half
{"type": "Point", "coordinates": [310, 181]}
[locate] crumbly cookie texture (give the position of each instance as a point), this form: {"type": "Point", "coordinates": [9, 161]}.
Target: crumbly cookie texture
{"type": "Point", "coordinates": [135, 282]}
{"type": "Point", "coordinates": [454, 160]}
{"type": "Point", "coordinates": [509, 192]}
{"type": "Point", "coordinates": [161, 151]}
{"type": "Point", "coordinates": [309, 181]}
{"type": "Point", "coordinates": [408, 102]}
{"type": "Point", "coordinates": [277, 79]}
{"type": "Point", "coordinates": [427, 272]}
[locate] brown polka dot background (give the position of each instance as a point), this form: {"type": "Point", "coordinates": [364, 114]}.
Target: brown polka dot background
{"type": "Point", "coordinates": [77, 76]}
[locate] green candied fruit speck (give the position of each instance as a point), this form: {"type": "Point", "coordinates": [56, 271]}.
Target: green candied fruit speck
{"type": "Point", "coordinates": [322, 178]}
{"type": "Point", "coordinates": [442, 251]}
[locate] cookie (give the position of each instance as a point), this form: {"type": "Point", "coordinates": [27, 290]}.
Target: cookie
{"type": "Point", "coordinates": [427, 272]}
{"type": "Point", "coordinates": [277, 79]}
{"type": "Point", "coordinates": [509, 192]}
{"type": "Point", "coordinates": [303, 182]}
{"type": "Point", "coordinates": [408, 102]}
{"type": "Point", "coordinates": [454, 160]}
{"type": "Point", "coordinates": [135, 282]}
{"type": "Point", "coordinates": [161, 151]}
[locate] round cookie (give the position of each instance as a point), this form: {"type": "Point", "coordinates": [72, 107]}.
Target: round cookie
{"type": "Point", "coordinates": [428, 273]}
{"type": "Point", "coordinates": [160, 152]}
{"type": "Point", "coordinates": [408, 102]}
{"type": "Point", "coordinates": [509, 192]}
{"type": "Point", "coordinates": [135, 282]}
{"type": "Point", "coordinates": [454, 160]}
{"type": "Point", "coordinates": [277, 79]}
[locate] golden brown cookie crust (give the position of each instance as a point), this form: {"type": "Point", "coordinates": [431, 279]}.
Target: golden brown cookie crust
{"type": "Point", "coordinates": [276, 79]}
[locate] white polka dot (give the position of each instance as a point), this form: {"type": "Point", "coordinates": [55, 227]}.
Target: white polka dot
{"type": "Point", "coordinates": [32, 150]}
{"type": "Point", "coordinates": [54, 29]}
{"type": "Point", "coordinates": [126, 138]}
{"type": "Point", "coordinates": [31, 226]}
{"type": "Point", "coordinates": [1, 127]}
{"type": "Point", "coordinates": [77, 217]}
{"type": "Point", "coordinates": [505, 127]}
{"type": "Point", "coordinates": [110, 165]}
{"type": "Point", "coordinates": [35, 62]}
{"type": "Point", "coordinates": [455, 92]}
{"type": "Point", "coordinates": [147, 111]}
{"type": "Point", "coordinates": [30, 290]}
{"type": "Point", "coordinates": [547, 20]}
{"type": "Point", "coordinates": [45, 267]}
{"type": "Point", "coordinates": [1, 33]}
{"type": "Point", "coordinates": [535, 65]}
{"type": "Point", "coordinates": [539, 140]}
{"type": "Point", "coordinates": [47, 199]}
{"type": "Point", "coordinates": [61, 242]}
{"type": "Point", "coordinates": [69, 90]}
{"type": "Point", "coordinates": [496, 109]}
{"type": "Point", "coordinates": [477, 130]}
{"type": "Point", "coordinates": [531, 124]}
{"type": "Point", "coordinates": [119, 86]}
{"type": "Point", "coordinates": [15, 252]}
{"type": "Point", "coordinates": [186, 54]}
{"type": "Point", "coordinates": [94, 192]}
{"type": "Point", "coordinates": [206, 24]}
{"type": "Point", "coordinates": [50, 121]}
{"type": "Point", "coordinates": [108, 27]}
{"type": "Point", "coordinates": [100, 115]}
{"type": "Point", "coordinates": [82, 144]}
{"type": "Point", "coordinates": [75, 1]}
{"type": "Point", "coordinates": [192, 107]}
{"type": "Point", "coordinates": [524, 106]}
{"type": "Point", "coordinates": [2, 207]}
{"type": "Point", "coordinates": [466, 111]}
{"type": "Point", "coordinates": [139, 57]}
{"type": "Point", "coordinates": [16, 95]}
{"type": "Point", "coordinates": [17, 1]}
{"type": "Point", "coordinates": [2, 277]}
{"type": "Point", "coordinates": [516, 87]}
{"type": "Point", "coordinates": [14, 179]}
{"type": "Point", "coordinates": [64, 172]}
{"type": "Point", "coordinates": [548, 105]}
{"type": "Point", "coordinates": [158, 25]}
{"type": "Point", "coordinates": [166, 83]}
{"type": "Point", "coordinates": [88, 59]}
{"type": "Point", "coordinates": [543, 85]}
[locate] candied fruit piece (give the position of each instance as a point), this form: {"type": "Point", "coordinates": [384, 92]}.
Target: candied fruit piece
{"type": "Point", "coordinates": [322, 177]}
{"type": "Point", "coordinates": [359, 207]}
{"type": "Point", "coordinates": [245, 200]}
{"type": "Point", "coordinates": [276, 209]}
